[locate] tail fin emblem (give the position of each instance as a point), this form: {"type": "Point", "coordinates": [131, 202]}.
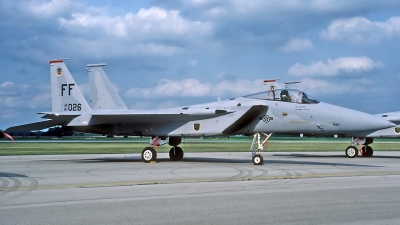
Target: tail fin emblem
{"type": "Point", "coordinates": [59, 72]}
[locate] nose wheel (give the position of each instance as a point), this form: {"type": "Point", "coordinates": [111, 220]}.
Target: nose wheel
{"type": "Point", "coordinates": [258, 159]}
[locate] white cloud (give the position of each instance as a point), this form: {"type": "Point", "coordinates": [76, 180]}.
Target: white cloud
{"type": "Point", "coordinates": [168, 88]}
{"type": "Point", "coordinates": [298, 45]}
{"type": "Point", "coordinates": [167, 104]}
{"type": "Point", "coordinates": [47, 9]}
{"type": "Point", "coordinates": [7, 83]}
{"type": "Point", "coordinates": [321, 87]}
{"type": "Point", "coordinates": [334, 67]}
{"type": "Point", "coordinates": [148, 24]}
{"type": "Point", "coordinates": [194, 88]}
{"type": "Point", "coordinates": [361, 29]}
{"type": "Point", "coordinates": [154, 32]}
{"type": "Point", "coordinates": [142, 105]}
{"type": "Point", "coordinates": [237, 87]}
{"type": "Point", "coordinates": [24, 95]}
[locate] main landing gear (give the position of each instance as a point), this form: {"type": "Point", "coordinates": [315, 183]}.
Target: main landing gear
{"type": "Point", "coordinates": [365, 150]}
{"type": "Point", "coordinates": [257, 157]}
{"type": "Point", "coordinates": [149, 154]}
{"type": "Point", "coordinates": [176, 153]}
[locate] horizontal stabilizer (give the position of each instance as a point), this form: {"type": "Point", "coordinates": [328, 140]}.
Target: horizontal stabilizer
{"type": "Point", "coordinates": [63, 117]}
{"type": "Point", "coordinates": [34, 126]}
{"type": "Point", "coordinates": [245, 119]}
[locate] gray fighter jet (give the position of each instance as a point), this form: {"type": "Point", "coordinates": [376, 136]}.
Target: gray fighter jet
{"type": "Point", "coordinates": [284, 111]}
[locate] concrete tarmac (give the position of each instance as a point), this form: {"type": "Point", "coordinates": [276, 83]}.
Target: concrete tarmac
{"type": "Point", "coordinates": [204, 188]}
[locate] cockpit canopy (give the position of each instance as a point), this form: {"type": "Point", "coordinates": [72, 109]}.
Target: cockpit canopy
{"type": "Point", "coordinates": [284, 95]}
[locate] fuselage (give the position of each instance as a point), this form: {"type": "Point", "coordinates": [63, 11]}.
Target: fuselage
{"type": "Point", "coordinates": [297, 114]}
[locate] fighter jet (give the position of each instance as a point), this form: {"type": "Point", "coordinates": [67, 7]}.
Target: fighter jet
{"type": "Point", "coordinates": [285, 111]}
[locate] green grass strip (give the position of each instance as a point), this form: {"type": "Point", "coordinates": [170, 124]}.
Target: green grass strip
{"type": "Point", "coordinates": [57, 148]}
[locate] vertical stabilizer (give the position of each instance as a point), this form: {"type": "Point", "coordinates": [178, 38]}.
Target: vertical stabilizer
{"type": "Point", "coordinates": [65, 93]}
{"type": "Point", "coordinates": [102, 93]}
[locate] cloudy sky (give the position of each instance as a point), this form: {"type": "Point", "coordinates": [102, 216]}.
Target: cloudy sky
{"type": "Point", "coordinates": [169, 53]}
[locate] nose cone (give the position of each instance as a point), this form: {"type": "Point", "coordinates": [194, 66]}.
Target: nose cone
{"type": "Point", "coordinates": [360, 121]}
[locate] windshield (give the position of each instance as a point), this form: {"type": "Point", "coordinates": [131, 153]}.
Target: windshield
{"type": "Point", "coordinates": [285, 95]}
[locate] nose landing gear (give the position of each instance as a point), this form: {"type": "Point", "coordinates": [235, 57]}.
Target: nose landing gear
{"type": "Point", "coordinates": [257, 157]}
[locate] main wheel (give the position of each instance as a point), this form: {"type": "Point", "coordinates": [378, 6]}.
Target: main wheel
{"type": "Point", "coordinates": [351, 152]}
{"type": "Point", "coordinates": [258, 160]}
{"type": "Point", "coordinates": [149, 154]}
{"type": "Point", "coordinates": [176, 153]}
{"type": "Point", "coordinates": [368, 152]}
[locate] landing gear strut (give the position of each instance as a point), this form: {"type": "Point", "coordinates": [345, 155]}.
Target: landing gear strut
{"type": "Point", "coordinates": [257, 157]}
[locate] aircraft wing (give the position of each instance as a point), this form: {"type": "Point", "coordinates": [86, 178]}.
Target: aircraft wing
{"type": "Point", "coordinates": [155, 116]}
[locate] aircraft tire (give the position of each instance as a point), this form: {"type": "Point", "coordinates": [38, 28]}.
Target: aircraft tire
{"type": "Point", "coordinates": [351, 152]}
{"type": "Point", "coordinates": [149, 154]}
{"type": "Point", "coordinates": [176, 153]}
{"type": "Point", "coordinates": [258, 160]}
{"type": "Point", "coordinates": [369, 152]}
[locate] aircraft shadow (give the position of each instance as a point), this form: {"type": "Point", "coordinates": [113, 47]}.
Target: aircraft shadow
{"type": "Point", "coordinates": [308, 155]}
{"type": "Point", "coordinates": [110, 160]}
{"type": "Point", "coordinates": [11, 175]}
{"type": "Point", "coordinates": [161, 160]}
{"type": "Point", "coordinates": [332, 156]}
{"type": "Point", "coordinates": [217, 160]}
{"type": "Point", "coordinates": [316, 163]}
